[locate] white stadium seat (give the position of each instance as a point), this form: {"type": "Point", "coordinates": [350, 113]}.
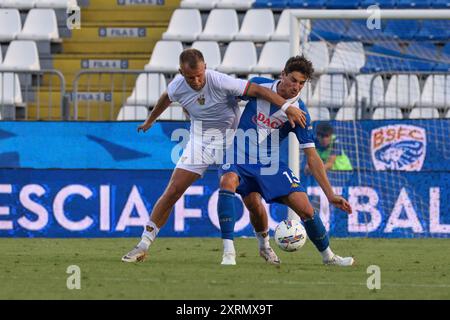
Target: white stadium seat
{"type": "Point", "coordinates": [364, 83]}
{"type": "Point", "coordinates": [198, 4]}
{"type": "Point", "coordinates": [235, 4]}
{"type": "Point", "coordinates": [448, 114]}
{"type": "Point", "coordinates": [424, 113]}
{"type": "Point", "coordinates": [317, 53]}
{"type": "Point", "coordinates": [10, 93]}
{"type": "Point", "coordinates": [221, 25]}
{"type": "Point", "coordinates": [283, 28]}
{"type": "Point", "coordinates": [273, 57]}
{"type": "Point", "coordinates": [306, 93]}
{"type": "Point", "coordinates": [436, 92]}
{"type": "Point", "coordinates": [348, 57]}
{"type": "Point", "coordinates": [210, 51]}
{"type": "Point", "coordinates": [127, 112]}
{"type": "Point", "coordinates": [41, 24]}
{"type": "Point", "coordinates": [258, 26]}
{"type": "Point", "coordinates": [387, 113]}
{"type": "Point", "coordinates": [403, 91]}
{"type": "Point", "coordinates": [19, 4]}
{"type": "Point", "coordinates": [22, 54]}
{"type": "Point", "coordinates": [319, 114]}
{"type": "Point", "coordinates": [347, 113]}
{"type": "Point", "coordinates": [185, 25]}
{"type": "Point", "coordinates": [10, 25]}
{"type": "Point", "coordinates": [330, 91]}
{"type": "Point", "coordinates": [148, 89]}
{"type": "Point", "coordinates": [165, 57]}
{"type": "Point", "coordinates": [56, 4]}
{"type": "Point", "coordinates": [239, 58]}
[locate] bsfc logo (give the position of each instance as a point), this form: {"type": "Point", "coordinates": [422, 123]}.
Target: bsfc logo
{"type": "Point", "coordinates": [201, 99]}
{"type": "Point", "coordinates": [398, 147]}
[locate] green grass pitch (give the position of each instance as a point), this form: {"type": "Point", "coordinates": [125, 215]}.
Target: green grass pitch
{"type": "Point", "coordinates": [189, 268]}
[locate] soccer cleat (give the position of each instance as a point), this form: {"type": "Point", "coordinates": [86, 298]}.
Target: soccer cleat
{"type": "Point", "coordinates": [135, 255]}
{"type": "Point", "coordinates": [340, 261]}
{"type": "Point", "coordinates": [269, 255]}
{"type": "Point", "coordinates": [229, 259]}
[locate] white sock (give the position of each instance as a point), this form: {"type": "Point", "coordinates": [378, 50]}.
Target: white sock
{"type": "Point", "coordinates": [327, 254]}
{"type": "Point", "coordinates": [148, 235]}
{"type": "Point", "coordinates": [228, 245]}
{"type": "Point", "coordinates": [263, 239]}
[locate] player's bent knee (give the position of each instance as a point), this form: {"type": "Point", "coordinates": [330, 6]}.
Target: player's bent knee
{"type": "Point", "coordinates": [229, 182]}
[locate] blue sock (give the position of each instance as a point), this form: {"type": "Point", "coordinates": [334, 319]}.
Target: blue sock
{"type": "Point", "coordinates": [226, 210]}
{"type": "Point", "coordinates": [316, 232]}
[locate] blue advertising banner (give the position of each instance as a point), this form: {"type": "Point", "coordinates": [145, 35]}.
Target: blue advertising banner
{"type": "Point", "coordinates": [116, 203]}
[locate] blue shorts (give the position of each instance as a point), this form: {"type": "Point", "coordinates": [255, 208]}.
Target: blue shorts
{"type": "Point", "coordinates": [271, 187]}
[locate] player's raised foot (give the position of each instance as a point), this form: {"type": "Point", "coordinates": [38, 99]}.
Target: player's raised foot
{"type": "Point", "coordinates": [340, 261]}
{"type": "Point", "coordinates": [229, 259]}
{"type": "Point", "coordinates": [136, 255]}
{"type": "Point", "coordinates": [269, 255]}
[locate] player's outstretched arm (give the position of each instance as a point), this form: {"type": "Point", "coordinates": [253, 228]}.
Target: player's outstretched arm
{"type": "Point", "coordinates": [318, 171]}
{"type": "Point", "coordinates": [161, 105]}
{"type": "Point", "coordinates": [295, 115]}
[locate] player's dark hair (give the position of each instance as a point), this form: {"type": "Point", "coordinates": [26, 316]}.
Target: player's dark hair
{"type": "Point", "coordinates": [191, 57]}
{"type": "Point", "coordinates": [299, 64]}
{"type": "Point", "coordinates": [324, 129]}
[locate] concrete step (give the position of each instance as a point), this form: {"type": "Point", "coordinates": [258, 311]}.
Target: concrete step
{"type": "Point", "coordinates": [108, 33]}
{"type": "Point", "coordinates": [113, 47]}
{"type": "Point", "coordinates": [126, 4]}
{"type": "Point", "coordinates": [131, 14]}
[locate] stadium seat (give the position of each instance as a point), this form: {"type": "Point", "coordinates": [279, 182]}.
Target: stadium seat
{"type": "Point", "coordinates": [330, 91]}
{"type": "Point", "coordinates": [387, 113]}
{"type": "Point", "coordinates": [221, 25]}
{"type": "Point", "coordinates": [329, 29]}
{"type": "Point", "coordinates": [185, 25]}
{"type": "Point", "coordinates": [10, 92]}
{"type": "Point", "coordinates": [306, 93]}
{"type": "Point", "coordinates": [211, 53]}
{"type": "Point", "coordinates": [414, 4]}
{"type": "Point", "coordinates": [283, 28]}
{"type": "Point", "coordinates": [235, 4]}
{"type": "Point", "coordinates": [434, 30]}
{"type": "Point", "coordinates": [198, 4]}
{"type": "Point", "coordinates": [272, 4]}
{"type": "Point", "coordinates": [342, 4]}
{"type": "Point", "coordinates": [165, 57]}
{"type": "Point", "coordinates": [424, 113]}
{"type": "Point", "coordinates": [148, 89]}
{"type": "Point", "coordinates": [403, 91]}
{"type": "Point", "coordinates": [10, 25]}
{"type": "Point", "coordinates": [447, 115]}
{"type": "Point", "coordinates": [132, 112]}
{"type": "Point", "coordinates": [423, 49]}
{"type": "Point", "coordinates": [19, 4]}
{"type": "Point", "coordinates": [384, 4]}
{"type": "Point", "coordinates": [436, 92]}
{"type": "Point", "coordinates": [319, 114]}
{"type": "Point", "coordinates": [317, 53]}
{"type": "Point", "coordinates": [307, 4]}
{"type": "Point", "coordinates": [357, 30]}
{"type": "Point", "coordinates": [258, 25]}
{"type": "Point", "coordinates": [273, 57]}
{"type": "Point", "coordinates": [346, 113]}
{"type": "Point", "coordinates": [240, 57]}
{"type": "Point", "coordinates": [401, 29]}
{"type": "Point", "coordinates": [41, 24]}
{"type": "Point", "coordinates": [347, 57]}
{"type": "Point", "coordinates": [440, 4]}
{"type": "Point", "coordinates": [22, 55]}
{"type": "Point", "coordinates": [56, 4]}
{"type": "Point", "coordinates": [364, 83]}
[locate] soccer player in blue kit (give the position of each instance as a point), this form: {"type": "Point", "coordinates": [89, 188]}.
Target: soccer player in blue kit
{"type": "Point", "coordinates": [252, 174]}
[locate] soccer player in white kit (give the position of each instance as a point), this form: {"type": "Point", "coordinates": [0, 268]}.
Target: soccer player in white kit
{"type": "Point", "coordinates": [210, 99]}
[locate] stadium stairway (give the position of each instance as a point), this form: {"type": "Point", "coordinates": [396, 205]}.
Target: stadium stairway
{"type": "Point", "coordinates": [114, 34]}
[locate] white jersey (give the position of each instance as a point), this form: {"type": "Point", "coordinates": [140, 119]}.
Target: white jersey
{"type": "Point", "coordinates": [213, 111]}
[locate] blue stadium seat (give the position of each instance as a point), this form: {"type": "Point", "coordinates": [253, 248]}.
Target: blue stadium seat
{"type": "Point", "coordinates": [329, 29]}
{"type": "Point", "coordinates": [402, 29]}
{"type": "Point", "coordinates": [273, 4]}
{"type": "Point", "coordinates": [310, 4]}
{"type": "Point", "coordinates": [434, 30]}
{"type": "Point", "coordinates": [358, 30]}
{"type": "Point", "coordinates": [384, 4]}
{"type": "Point", "coordinates": [445, 58]}
{"type": "Point", "coordinates": [440, 4]}
{"type": "Point", "coordinates": [342, 4]}
{"type": "Point", "coordinates": [413, 4]}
